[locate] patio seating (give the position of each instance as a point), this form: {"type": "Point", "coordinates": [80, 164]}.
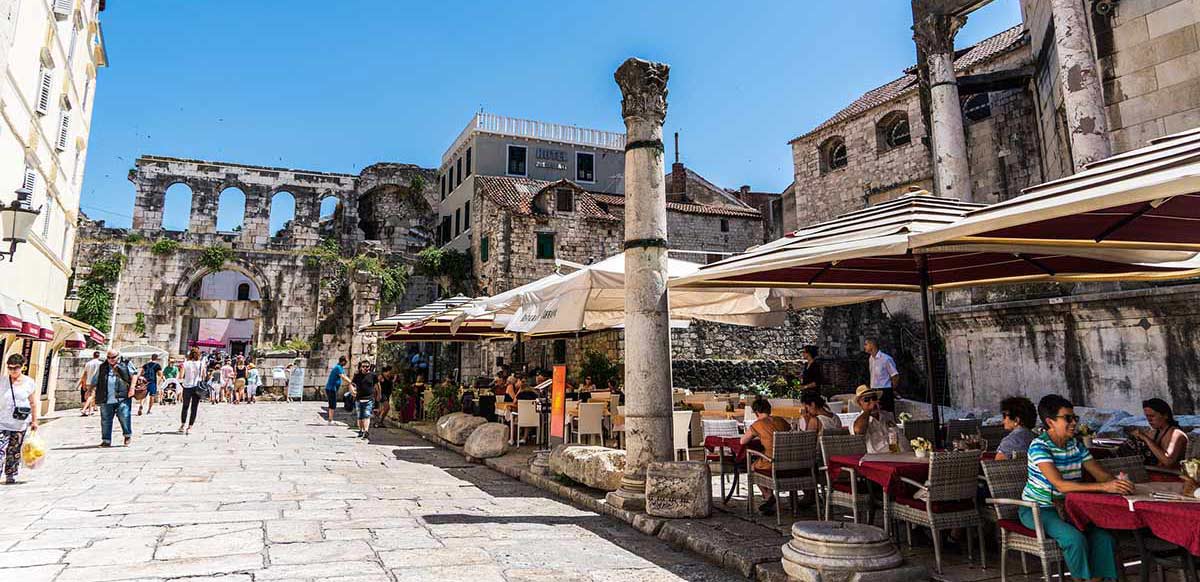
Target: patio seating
{"type": "Point", "coordinates": [721, 428]}
{"type": "Point", "coordinates": [992, 435]}
{"type": "Point", "coordinates": [793, 463]}
{"type": "Point", "coordinates": [835, 431]}
{"type": "Point", "coordinates": [590, 421]}
{"type": "Point", "coordinates": [945, 501]}
{"type": "Point", "coordinates": [1006, 481]}
{"type": "Point", "coordinates": [1134, 467]}
{"type": "Point", "coordinates": [617, 426]}
{"type": "Point", "coordinates": [715, 405]}
{"type": "Point", "coordinates": [527, 417]}
{"type": "Point", "coordinates": [919, 428]}
{"type": "Point", "coordinates": [681, 421]}
{"type": "Point", "coordinates": [961, 426]}
{"type": "Point", "coordinates": [846, 490]}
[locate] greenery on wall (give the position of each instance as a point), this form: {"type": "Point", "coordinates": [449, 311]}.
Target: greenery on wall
{"type": "Point", "coordinates": [215, 257]}
{"type": "Point", "coordinates": [164, 246]}
{"type": "Point", "coordinates": [449, 268]}
{"type": "Point", "coordinates": [139, 323]}
{"type": "Point", "coordinates": [95, 293]}
{"type": "Point", "coordinates": [393, 276]}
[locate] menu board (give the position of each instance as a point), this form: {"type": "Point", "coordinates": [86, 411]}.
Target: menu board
{"type": "Point", "coordinates": [558, 404]}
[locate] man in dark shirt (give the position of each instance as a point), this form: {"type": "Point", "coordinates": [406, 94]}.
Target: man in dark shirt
{"type": "Point", "coordinates": [151, 371]}
{"type": "Point", "coordinates": [365, 385]}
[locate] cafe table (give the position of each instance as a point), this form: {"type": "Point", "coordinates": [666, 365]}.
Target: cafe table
{"type": "Point", "coordinates": [885, 470]}
{"type": "Point", "coordinates": [727, 449]}
{"type": "Point", "coordinates": [1173, 521]}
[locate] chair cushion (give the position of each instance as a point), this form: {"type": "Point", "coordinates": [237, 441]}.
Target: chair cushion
{"type": "Point", "coordinates": [787, 474]}
{"type": "Point", "coordinates": [937, 506]}
{"type": "Point", "coordinates": [843, 486]}
{"type": "Point", "coordinates": [1016, 527]}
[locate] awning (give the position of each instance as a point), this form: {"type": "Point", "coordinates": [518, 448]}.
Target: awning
{"type": "Point", "coordinates": [207, 343]}
{"type": "Point", "coordinates": [10, 314]}
{"type": "Point", "coordinates": [393, 322]}
{"type": "Point", "coordinates": [75, 340]}
{"type": "Point", "coordinates": [35, 325]}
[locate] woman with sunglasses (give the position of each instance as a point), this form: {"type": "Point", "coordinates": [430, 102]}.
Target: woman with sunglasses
{"type": "Point", "coordinates": [1019, 419]}
{"type": "Point", "coordinates": [1056, 464]}
{"type": "Point", "coordinates": [18, 413]}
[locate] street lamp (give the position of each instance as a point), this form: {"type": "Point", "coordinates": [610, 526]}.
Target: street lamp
{"type": "Point", "coordinates": [16, 221]}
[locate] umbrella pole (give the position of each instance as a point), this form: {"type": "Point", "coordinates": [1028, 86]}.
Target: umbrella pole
{"type": "Point", "coordinates": [927, 327]}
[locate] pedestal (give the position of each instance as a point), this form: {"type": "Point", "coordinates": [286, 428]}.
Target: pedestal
{"type": "Point", "coordinates": [632, 494]}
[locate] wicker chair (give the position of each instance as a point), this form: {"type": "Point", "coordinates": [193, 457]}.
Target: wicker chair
{"type": "Point", "coordinates": [992, 435]}
{"type": "Point", "coordinates": [793, 467]}
{"type": "Point", "coordinates": [721, 428]}
{"type": "Point", "coordinates": [946, 501]}
{"type": "Point", "coordinates": [919, 428]}
{"type": "Point", "coordinates": [847, 490]}
{"type": "Point", "coordinates": [1006, 481]}
{"type": "Point", "coordinates": [961, 426]}
{"type": "Point", "coordinates": [1134, 467]}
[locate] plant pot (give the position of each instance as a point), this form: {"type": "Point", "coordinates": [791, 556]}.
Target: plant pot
{"type": "Point", "coordinates": [921, 453]}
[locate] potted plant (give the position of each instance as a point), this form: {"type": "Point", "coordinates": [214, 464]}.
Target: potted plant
{"type": "Point", "coordinates": [1085, 434]}
{"type": "Point", "coordinates": [1191, 468]}
{"type": "Point", "coordinates": [921, 447]}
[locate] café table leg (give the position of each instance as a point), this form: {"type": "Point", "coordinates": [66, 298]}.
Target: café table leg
{"type": "Point", "coordinates": [1144, 566]}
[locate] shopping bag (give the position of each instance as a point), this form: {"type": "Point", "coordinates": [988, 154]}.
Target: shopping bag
{"type": "Point", "coordinates": [33, 452]}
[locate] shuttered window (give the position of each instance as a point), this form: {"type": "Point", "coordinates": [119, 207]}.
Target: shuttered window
{"type": "Point", "coordinates": [484, 249]}
{"type": "Point", "coordinates": [29, 184]}
{"type": "Point", "coordinates": [64, 131]}
{"type": "Point", "coordinates": [545, 245]}
{"type": "Point", "coordinates": [467, 215]}
{"type": "Point", "coordinates": [45, 82]}
{"type": "Point", "coordinates": [62, 8]}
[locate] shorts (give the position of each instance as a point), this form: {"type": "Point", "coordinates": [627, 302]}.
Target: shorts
{"type": "Point", "coordinates": [152, 389]}
{"type": "Point", "coordinates": [239, 384]}
{"type": "Point", "coordinates": [364, 408]}
{"type": "Point", "coordinates": [385, 397]}
{"type": "Point", "coordinates": [331, 399]}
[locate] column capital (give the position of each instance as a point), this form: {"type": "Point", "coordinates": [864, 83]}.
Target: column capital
{"type": "Point", "coordinates": [643, 90]}
{"type": "Point", "coordinates": [934, 33]}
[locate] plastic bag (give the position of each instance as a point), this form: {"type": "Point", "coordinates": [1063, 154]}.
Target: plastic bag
{"type": "Point", "coordinates": [33, 452]}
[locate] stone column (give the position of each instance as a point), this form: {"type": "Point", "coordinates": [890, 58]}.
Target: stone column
{"type": "Point", "coordinates": [647, 323]}
{"type": "Point", "coordinates": [934, 35]}
{"type": "Point", "coordinates": [1078, 72]}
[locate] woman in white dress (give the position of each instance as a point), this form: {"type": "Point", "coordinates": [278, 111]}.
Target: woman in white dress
{"type": "Point", "coordinates": [295, 386]}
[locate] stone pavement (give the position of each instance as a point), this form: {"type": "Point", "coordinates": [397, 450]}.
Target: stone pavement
{"type": "Point", "coordinates": [270, 492]}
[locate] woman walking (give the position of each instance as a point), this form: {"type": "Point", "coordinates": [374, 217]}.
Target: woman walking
{"type": "Point", "coordinates": [18, 413]}
{"type": "Point", "coordinates": [252, 382]}
{"type": "Point", "coordinates": [239, 379]}
{"type": "Point", "coordinates": [194, 388]}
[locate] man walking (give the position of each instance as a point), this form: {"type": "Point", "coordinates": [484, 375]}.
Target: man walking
{"type": "Point", "coordinates": [337, 375]}
{"type": "Point", "coordinates": [364, 387]}
{"type": "Point", "coordinates": [87, 393]}
{"type": "Point", "coordinates": [884, 375]}
{"type": "Point", "coordinates": [114, 384]}
{"type": "Point", "coordinates": [152, 372]}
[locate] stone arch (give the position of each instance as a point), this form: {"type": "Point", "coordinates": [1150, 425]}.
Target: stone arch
{"type": "Point", "coordinates": [283, 212]}
{"type": "Point", "coordinates": [893, 131]}
{"type": "Point", "coordinates": [834, 153]}
{"type": "Point", "coordinates": [177, 206]}
{"type": "Point", "coordinates": [198, 271]}
{"type": "Point", "coordinates": [230, 219]}
{"type": "Point", "coordinates": [189, 312]}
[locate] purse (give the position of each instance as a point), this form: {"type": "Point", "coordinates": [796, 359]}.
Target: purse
{"type": "Point", "coordinates": [19, 412]}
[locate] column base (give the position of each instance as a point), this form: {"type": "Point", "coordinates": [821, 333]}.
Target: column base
{"type": "Point", "coordinates": [631, 496]}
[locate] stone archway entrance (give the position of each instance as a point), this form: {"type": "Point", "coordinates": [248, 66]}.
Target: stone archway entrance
{"type": "Point", "coordinates": [222, 310]}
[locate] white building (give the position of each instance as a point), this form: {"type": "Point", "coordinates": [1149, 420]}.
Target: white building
{"type": "Point", "coordinates": [50, 51]}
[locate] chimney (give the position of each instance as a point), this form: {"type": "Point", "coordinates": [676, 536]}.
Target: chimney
{"type": "Point", "coordinates": [743, 193]}
{"type": "Point", "coordinates": [677, 185]}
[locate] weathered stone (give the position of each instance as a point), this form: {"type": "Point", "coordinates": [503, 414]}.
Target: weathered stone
{"type": "Point", "coordinates": [821, 551]}
{"type": "Point", "coordinates": [487, 441]}
{"type": "Point", "coordinates": [679, 489]}
{"type": "Point", "coordinates": [597, 467]}
{"type": "Point", "coordinates": [457, 426]}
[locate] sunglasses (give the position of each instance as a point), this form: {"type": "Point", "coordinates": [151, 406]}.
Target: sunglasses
{"type": "Point", "coordinates": [1070, 418]}
{"type": "Point", "coordinates": [869, 398]}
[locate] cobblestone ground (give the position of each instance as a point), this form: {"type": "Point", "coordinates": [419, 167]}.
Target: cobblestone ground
{"type": "Point", "coordinates": [270, 492]}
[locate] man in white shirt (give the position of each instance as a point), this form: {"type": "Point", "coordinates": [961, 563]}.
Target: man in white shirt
{"type": "Point", "coordinates": [884, 375]}
{"type": "Point", "coordinates": [87, 393]}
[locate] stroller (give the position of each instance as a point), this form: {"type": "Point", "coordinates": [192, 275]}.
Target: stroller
{"type": "Point", "coordinates": [170, 392]}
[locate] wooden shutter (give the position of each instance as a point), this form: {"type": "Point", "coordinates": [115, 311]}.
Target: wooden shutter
{"type": "Point", "coordinates": [62, 8]}
{"type": "Point", "coordinates": [45, 83]}
{"type": "Point", "coordinates": [64, 131]}
{"type": "Point", "coordinates": [30, 181]}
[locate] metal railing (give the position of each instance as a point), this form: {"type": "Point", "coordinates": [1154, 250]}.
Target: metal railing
{"type": "Point", "coordinates": [528, 128]}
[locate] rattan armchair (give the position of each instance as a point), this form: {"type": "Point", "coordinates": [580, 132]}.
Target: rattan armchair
{"type": "Point", "coordinates": [793, 467]}
{"type": "Point", "coordinates": [1006, 481]}
{"type": "Point", "coordinates": [847, 489]}
{"type": "Point", "coordinates": [1133, 467]}
{"type": "Point", "coordinates": [945, 501]}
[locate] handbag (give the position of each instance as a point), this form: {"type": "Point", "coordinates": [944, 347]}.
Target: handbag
{"type": "Point", "coordinates": [19, 412]}
{"type": "Point", "coordinates": [140, 391]}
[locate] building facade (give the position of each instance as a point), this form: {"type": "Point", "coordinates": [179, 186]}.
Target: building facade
{"type": "Point", "coordinates": [1036, 104]}
{"type": "Point", "coordinates": [50, 52]}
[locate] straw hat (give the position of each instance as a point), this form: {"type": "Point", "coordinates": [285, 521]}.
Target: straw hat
{"type": "Point", "coordinates": [864, 390]}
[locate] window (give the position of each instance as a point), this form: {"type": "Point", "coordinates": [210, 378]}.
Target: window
{"type": "Point", "coordinates": [64, 131]}
{"type": "Point", "coordinates": [545, 245]}
{"type": "Point", "coordinates": [457, 221]}
{"type": "Point", "coordinates": [838, 157]}
{"type": "Point", "coordinates": [46, 212]}
{"type": "Point", "coordinates": [892, 131]}
{"type": "Point", "coordinates": [468, 161]}
{"type": "Point", "coordinates": [442, 183]}
{"type": "Point", "coordinates": [564, 200]}
{"type": "Point", "coordinates": [458, 170]}
{"type": "Point", "coordinates": [243, 292]}
{"type": "Point", "coordinates": [45, 83]}
{"type": "Point", "coordinates": [978, 107]}
{"type": "Point", "coordinates": [560, 351]}
{"type": "Point", "coordinates": [483, 249]}
{"type": "Point", "coordinates": [516, 160]}
{"type": "Point", "coordinates": [62, 9]}
{"type": "Point", "coordinates": [585, 167]}
{"type": "Point", "coordinates": [467, 215]}
{"type": "Point", "coordinates": [724, 225]}
{"type": "Point", "coordinates": [29, 184]}
{"type": "Point", "coordinates": [450, 180]}
{"type": "Point", "coordinates": [833, 154]}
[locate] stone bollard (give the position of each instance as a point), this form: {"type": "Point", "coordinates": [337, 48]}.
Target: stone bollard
{"type": "Point", "coordinates": [679, 489]}
{"type": "Point", "coordinates": [539, 463]}
{"type": "Point", "coordinates": [830, 551]}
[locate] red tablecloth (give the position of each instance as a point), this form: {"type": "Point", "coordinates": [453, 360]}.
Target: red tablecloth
{"type": "Point", "coordinates": [1172, 522]}
{"type": "Point", "coordinates": [886, 474]}
{"type": "Point", "coordinates": [712, 444]}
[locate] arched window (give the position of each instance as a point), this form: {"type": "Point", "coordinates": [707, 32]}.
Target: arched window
{"type": "Point", "coordinates": [243, 292]}
{"type": "Point", "coordinates": [177, 207]}
{"type": "Point", "coordinates": [231, 209]}
{"type": "Point", "coordinates": [283, 212]}
{"type": "Point", "coordinates": [329, 207]}
{"type": "Point", "coordinates": [977, 107]}
{"type": "Point", "coordinates": [225, 285]}
{"type": "Point", "coordinates": [834, 154]}
{"type": "Point", "coordinates": [893, 131]}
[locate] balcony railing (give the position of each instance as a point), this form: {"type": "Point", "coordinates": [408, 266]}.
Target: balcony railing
{"type": "Point", "coordinates": [528, 128]}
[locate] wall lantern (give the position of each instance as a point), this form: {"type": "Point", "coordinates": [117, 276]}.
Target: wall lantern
{"type": "Point", "coordinates": [16, 220]}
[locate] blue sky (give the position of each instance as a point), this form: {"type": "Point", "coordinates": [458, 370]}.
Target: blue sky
{"type": "Point", "coordinates": [337, 86]}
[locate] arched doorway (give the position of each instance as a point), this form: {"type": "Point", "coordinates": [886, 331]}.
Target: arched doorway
{"type": "Point", "coordinates": [221, 311]}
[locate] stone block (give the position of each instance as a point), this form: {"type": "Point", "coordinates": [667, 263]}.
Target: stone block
{"type": "Point", "coordinates": [457, 426]}
{"type": "Point", "coordinates": [487, 441]}
{"type": "Point", "coordinates": [597, 467]}
{"type": "Point", "coordinates": [679, 489]}
{"type": "Point", "coordinates": [822, 551]}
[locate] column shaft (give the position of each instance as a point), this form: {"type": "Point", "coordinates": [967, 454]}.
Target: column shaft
{"type": "Point", "coordinates": [1078, 74]}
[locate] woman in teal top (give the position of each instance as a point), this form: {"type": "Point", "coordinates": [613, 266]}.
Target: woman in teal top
{"type": "Point", "coordinates": [1057, 461]}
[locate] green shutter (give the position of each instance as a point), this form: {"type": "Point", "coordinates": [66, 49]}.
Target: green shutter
{"type": "Point", "coordinates": [545, 245]}
{"type": "Point", "coordinates": [483, 249]}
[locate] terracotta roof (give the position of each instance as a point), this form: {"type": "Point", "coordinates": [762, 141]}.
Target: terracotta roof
{"type": "Point", "coordinates": [689, 207]}
{"type": "Point", "coordinates": [983, 51]}
{"type": "Point", "coordinates": [517, 194]}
